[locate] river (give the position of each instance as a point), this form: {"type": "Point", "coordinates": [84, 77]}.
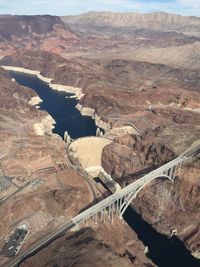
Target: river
{"type": "Point", "coordinates": [163, 251]}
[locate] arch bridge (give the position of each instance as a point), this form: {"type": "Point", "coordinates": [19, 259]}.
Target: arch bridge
{"type": "Point", "coordinates": [119, 201]}
{"type": "Point", "coordinates": [107, 208]}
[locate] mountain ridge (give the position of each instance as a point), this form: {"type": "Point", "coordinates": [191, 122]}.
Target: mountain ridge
{"type": "Point", "coordinates": [167, 21]}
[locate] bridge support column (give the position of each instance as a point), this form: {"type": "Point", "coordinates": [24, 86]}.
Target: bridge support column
{"type": "Point", "coordinates": [174, 172]}
{"type": "Point", "coordinates": [122, 204]}
{"type": "Point", "coordinates": [112, 212]}
{"type": "Point", "coordinates": [118, 206]}
{"type": "Point", "coordinates": [127, 202]}
{"type": "Point", "coordinates": [109, 212]}
{"type": "Point", "coordinates": [96, 218]}
{"type": "Point", "coordinates": [119, 203]}
{"type": "Point", "coordinates": [171, 173]}
{"type": "Point", "coordinates": [104, 214]}
{"type": "Point", "coordinates": [101, 216]}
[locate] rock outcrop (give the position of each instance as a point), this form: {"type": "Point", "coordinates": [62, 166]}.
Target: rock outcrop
{"type": "Point", "coordinates": [135, 154]}
{"type": "Point", "coordinates": [83, 248]}
{"type": "Point", "coordinates": [139, 71]}
{"type": "Point", "coordinates": [42, 190]}
{"type": "Point", "coordinates": [164, 205]}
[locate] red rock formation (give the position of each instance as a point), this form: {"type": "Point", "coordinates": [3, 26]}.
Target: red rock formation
{"type": "Point", "coordinates": [141, 71]}
{"type": "Point", "coordinates": [56, 192]}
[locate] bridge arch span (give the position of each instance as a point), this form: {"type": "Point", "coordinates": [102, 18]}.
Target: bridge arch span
{"type": "Point", "coordinates": [156, 177]}
{"type": "Point", "coordinates": [134, 194]}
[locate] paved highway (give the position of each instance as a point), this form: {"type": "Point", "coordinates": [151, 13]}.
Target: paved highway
{"type": "Point", "coordinates": [40, 244]}
{"type": "Point", "coordinates": [95, 209]}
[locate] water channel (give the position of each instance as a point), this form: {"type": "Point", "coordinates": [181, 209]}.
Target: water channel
{"type": "Point", "coordinates": [163, 251]}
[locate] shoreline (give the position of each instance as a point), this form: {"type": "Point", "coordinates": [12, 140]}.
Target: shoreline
{"type": "Point", "coordinates": [68, 89]}
{"type": "Point", "coordinates": [78, 94]}
{"type": "Point", "coordinates": [35, 101]}
{"type": "Point", "coordinates": [87, 111]}
{"type": "Point", "coordinates": [45, 126]}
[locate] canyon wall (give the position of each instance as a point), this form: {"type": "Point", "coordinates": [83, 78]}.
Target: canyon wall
{"type": "Point", "coordinates": [166, 206]}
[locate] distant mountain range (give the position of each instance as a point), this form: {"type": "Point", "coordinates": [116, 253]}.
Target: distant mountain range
{"type": "Point", "coordinates": [104, 22]}
{"type": "Point", "coordinates": [136, 71]}
{"type": "Point", "coordinates": [156, 38]}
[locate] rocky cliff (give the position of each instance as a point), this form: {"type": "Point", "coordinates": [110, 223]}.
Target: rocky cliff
{"type": "Point", "coordinates": [39, 188]}
{"type": "Point", "coordinates": [164, 205]}
{"type": "Point", "coordinates": [125, 92]}
{"type": "Point", "coordinates": [139, 71]}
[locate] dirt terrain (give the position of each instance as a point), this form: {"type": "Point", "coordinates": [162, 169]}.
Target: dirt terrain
{"type": "Point", "coordinates": [40, 188]}
{"type": "Point", "coordinates": [71, 250]}
{"type": "Point", "coordinates": [166, 206]}
{"type": "Point", "coordinates": [135, 70]}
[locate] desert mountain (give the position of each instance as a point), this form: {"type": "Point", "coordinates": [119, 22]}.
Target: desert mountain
{"type": "Point", "coordinates": [158, 38]}
{"type": "Point", "coordinates": [21, 32]}
{"type": "Point", "coordinates": [133, 69]}
{"type": "Point", "coordinates": [21, 26]}
{"type": "Point", "coordinates": [102, 22]}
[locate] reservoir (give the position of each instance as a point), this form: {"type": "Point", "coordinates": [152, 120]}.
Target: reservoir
{"type": "Point", "coordinates": [163, 251]}
{"type": "Point", "coordinates": [62, 109]}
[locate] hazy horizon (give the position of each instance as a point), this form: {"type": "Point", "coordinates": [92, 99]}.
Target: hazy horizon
{"type": "Point", "coordinates": [77, 7]}
{"type": "Point", "coordinates": [94, 11]}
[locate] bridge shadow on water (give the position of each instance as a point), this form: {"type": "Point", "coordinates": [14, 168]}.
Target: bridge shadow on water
{"type": "Point", "coordinates": [163, 251]}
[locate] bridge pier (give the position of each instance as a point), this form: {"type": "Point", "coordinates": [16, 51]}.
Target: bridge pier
{"type": "Point", "coordinates": [112, 211]}
{"type": "Point", "coordinates": [95, 218]}
{"type": "Point", "coordinates": [101, 216]}
{"type": "Point", "coordinates": [109, 212]}
{"type": "Point", "coordinates": [121, 205]}
{"type": "Point", "coordinates": [171, 173]}
{"type": "Point", "coordinates": [127, 202]}
{"type": "Point", "coordinates": [106, 214]}
{"type": "Point", "coordinates": [120, 200]}
{"type": "Point", "coordinates": [175, 171]}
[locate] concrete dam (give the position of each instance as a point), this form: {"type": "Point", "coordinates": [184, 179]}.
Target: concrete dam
{"type": "Point", "coordinates": [87, 153]}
